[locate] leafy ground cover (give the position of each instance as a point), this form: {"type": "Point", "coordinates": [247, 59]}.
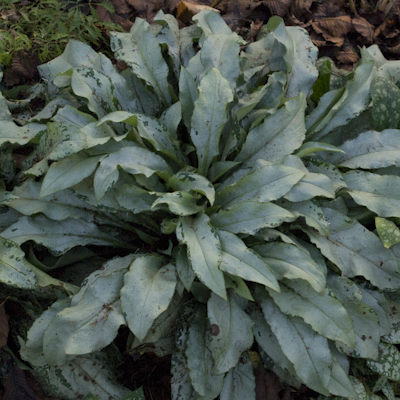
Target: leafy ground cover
{"type": "Point", "coordinates": [326, 177]}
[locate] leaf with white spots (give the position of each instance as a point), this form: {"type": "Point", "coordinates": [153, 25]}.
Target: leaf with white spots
{"type": "Point", "coordinates": [385, 103]}
{"type": "Point", "coordinates": [388, 363]}
{"type": "Point", "coordinates": [388, 232]}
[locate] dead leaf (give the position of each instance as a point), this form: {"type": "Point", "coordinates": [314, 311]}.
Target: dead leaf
{"type": "Point", "coordinates": [10, 15]}
{"type": "Point", "coordinates": [106, 16]}
{"type": "Point", "coordinates": [4, 328]}
{"type": "Point", "coordinates": [332, 8]}
{"type": "Point", "coordinates": [17, 386]}
{"type": "Point", "coordinates": [187, 10]}
{"type": "Point", "coordinates": [121, 6]}
{"type": "Point", "coordinates": [317, 39]}
{"type": "Point", "coordinates": [278, 7]}
{"type": "Point", "coordinates": [364, 28]}
{"type": "Point", "coordinates": [267, 385]}
{"type": "Point", "coordinates": [395, 49]}
{"type": "Point", "coordinates": [337, 26]}
{"type": "Point", "coordinates": [236, 14]}
{"type": "Point", "coordinates": [347, 55]}
{"type": "Point", "coordinates": [301, 7]}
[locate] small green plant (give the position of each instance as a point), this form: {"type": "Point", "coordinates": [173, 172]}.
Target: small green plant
{"type": "Point", "coordinates": [244, 197]}
{"type": "Point", "coordinates": [46, 27]}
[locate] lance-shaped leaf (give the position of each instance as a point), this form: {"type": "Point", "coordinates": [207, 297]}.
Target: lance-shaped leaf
{"type": "Point", "coordinates": [385, 103]}
{"type": "Point", "coordinates": [134, 198]}
{"type": "Point", "coordinates": [266, 183]}
{"type": "Point", "coordinates": [357, 251]}
{"type": "Point", "coordinates": [319, 166]}
{"type": "Point", "coordinates": [190, 181]}
{"type": "Point", "coordinates": [68, 172]}
{"type": "Point", "coordinates": [239, 260]}
{"type": "Point", "coordinates": [310, 186]}
{"type": "Point", "coordinates": [170, 35]}
{"type": "Point", "coordinates": [370, 298]}
{"type": "Point", "coordinates": [369, 150]}
{"type": "Point", "coordinates": [11, 132]}
{"type": "Point", "coordinates": [340, 384]}
{"type": "Point", "coordinates": [209, 117]}
{"type": "Point", "coordinates": [231, 332]}
{"type": "Point", "coordinates": [391, 309]}
{"type": "Point", "coordinates": [148, 289]}
{"type": "Point", "coordinates": [58, 206]}
{"type": "Point", "coordinates": [365, 320]}
{"type": "Point", "coordinates": [239, 382]}
{"type": "Point", "coordinates": [179, 203]}
{"type": "Point", "coordinates": [134, 160]}
{"type": "Point", "coordinates": [250, 217]}
{"type": "Point", "coordinates": [222, 52]}
{"type": "Point", "coordinates": [305, 53]}
{"type": "Point", "coordinates": [269, 343]}
{"type": "Point", "coordinates": [310, 210]}
{"type": "Point", "coordinates": [14, 269]}
{"type": "Point", "coordinates": [171, 118]}
{"type": "Point", "coordinates": [92, 320]}
{"type": "Point", "coordinates": [199, 358]}
{"type": "Point", "coordinates": [388, 232]}
{"type": "Point", "coordinates": [388, 363]}
{"type": "Point", "coordinates": [279, 135]}
{"type": "Point", "coordinates": [291, 262]}
{"type": "Point", "coordinates": [142, 52]}
{"type": "Point", "coordinates": [58, 236]}
{"type": "Point", "coordinates": [210, 23]}
{"type": "Point", "coordinates": [32, 348]}
{"type": "Point", "coordinates": [308, 351]}
{"type": "Point", "coordinates": [183, 268]}
{"type": "Point", "coordinates": [150, 129]}
{"type": "Point", "coordinates": [322, 311]}
{"type": "Point", "coordinates": [188, 94]}
{"type": "Point", "coordinates": [97, 88]}
{"type": "Point", "coordinates": [84, 375]}
{"type": "Point", "coordinates": [181, 385]}
{"type": "Point", "coordinates": [379, 193]}
{"type": "Point", "coordinates": [357, 99]}
{"type": "Point", "coordinates": [312, 147]}
{"type": "Point", "coordinates": [204, 250]}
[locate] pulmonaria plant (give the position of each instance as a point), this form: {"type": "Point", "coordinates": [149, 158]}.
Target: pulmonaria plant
{"type": "Point", "coordinates": [238, 188]}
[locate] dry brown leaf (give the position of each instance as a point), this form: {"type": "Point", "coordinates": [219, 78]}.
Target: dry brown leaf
{"type": "Point", "coordinates": [395, 49]}
{"type": "Point", "coordinates": [267, 385]}
{"type": "Point", "coordinates": [301, 7]}
{"type": "Point", "coordinates": [106, 16]}
{"type": "Point", "coordinates": [17, 386]}
{"type": "Point", "coordinates": [278, 7]}
{"type": "Point", "coordinates": [146, 5]}
{"type": "Point", "coordinates": [336, 26]}
{"type": "Point", "coordinates": [317, 39]}
{"type": "Point", "coordinates": [10, 15]}
{"type": "Point", "coordinates": [364, 28]}
{"type": "Point", "coordinates": [380, 29]}
{"type": "Point", "coordinates": [347, 56]}
{"type": "Point", "coordinates": [236, 12]}
{"type": "Point", "coordinates": [331, 8]}
{"type": "Point", "coordinates": [121, 6]}
{"type": "Point", "coordinates": [186, 10]}
{"type": "Point", "coordinates": [4, 329]}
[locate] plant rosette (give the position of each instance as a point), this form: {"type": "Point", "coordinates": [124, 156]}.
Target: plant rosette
{"type": "Point", "coordinates": [237, 187]}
